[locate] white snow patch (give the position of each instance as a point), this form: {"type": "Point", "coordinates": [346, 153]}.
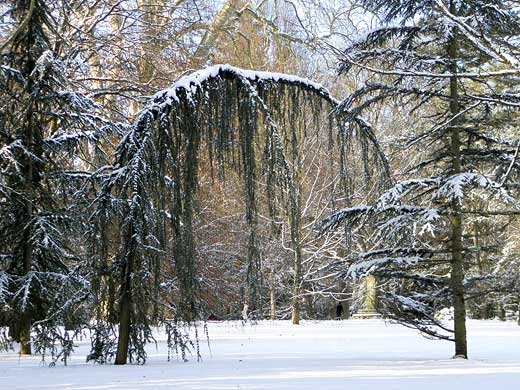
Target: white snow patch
{"type": "Point", "coordinates": [192, 82]}
{"type": "Point", "coordinates": [356, 354]}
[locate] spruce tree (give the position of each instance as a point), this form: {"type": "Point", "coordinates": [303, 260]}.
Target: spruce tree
{"type": "Point", "coordinates": [447, 62]}
{"type": "Point", "coordinates": [43, 124]}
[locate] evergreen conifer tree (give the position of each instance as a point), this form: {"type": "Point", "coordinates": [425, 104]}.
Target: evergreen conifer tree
{"type": "Point", "coordinates": [451, 64]}
{"type": "Point", "coordinates": [43, 124]}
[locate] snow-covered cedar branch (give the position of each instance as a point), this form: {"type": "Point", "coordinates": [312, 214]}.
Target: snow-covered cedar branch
{"type": "Point", "coordinates": [246, 121]}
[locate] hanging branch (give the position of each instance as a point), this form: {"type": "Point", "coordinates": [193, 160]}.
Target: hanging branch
{"type": "Point", "coordinates": [247, 121]}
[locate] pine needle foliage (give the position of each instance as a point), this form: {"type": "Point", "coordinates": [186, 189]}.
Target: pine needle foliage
{"type": "Point", "coordinates": [43, 126]}
{"type": "Point", "coordinates": [454, 65]}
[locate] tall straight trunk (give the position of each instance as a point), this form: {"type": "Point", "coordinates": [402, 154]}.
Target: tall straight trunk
{"type": "Point", "coordinates": [457, 259]}
{"type": "Point", "coordinates": [518, 309]}
{"type": "Point", "coordinates": [273, 304]}
{"type": "Point", "coordinates": [272, 296]}
{"type": "Point", "coordinates": [296, 284]}
{"type": "Point", "coordinates": [124, 329]}
{"type": "Point", "coordinates": [124, 326]}
{"type": "Point", "coordinates": [125, 305]}
{"type": "Point", "coordinates": [342, 285]}
{"type": "Point", "coordinates": [296, 244]}
{"type": "Point", "coordinates": [24, 327]}
{"type": "Point", "coordinates": [31, 140]}
{"type": "Point", "coordinates": [309, 307]}
{"type": "Point", "coordinates": [295, 224]}
{"type": "Point", "coordinates": [24, 336]}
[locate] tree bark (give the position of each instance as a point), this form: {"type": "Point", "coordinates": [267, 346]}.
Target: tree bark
{"type": "Point", "coordinates": [125, 306]}
{"type": "Point", "coordinates": [273, 305]}
{"type": "Point", "coordinates": [24, 335]}
{"type": "Point", "coordinates": [296, 287]}
{"type": "Point", "coordinates": [32, 140]}
{"type": "Point", "coordinates": [224, 19]}
{"type": "Point", "coordinates": [457, 260]}
{"type": "Point", "coordinates": [124, 327]}
{"type": "Point", "coordinates": [518, 309]}
{"type": "Point", "coordinates": [272, 296]}
{"type": "Point", "coordinates": [309, 307]}
{"type": "Point", "coordinates": [295, 233]}
{"type": "Point", "coordinates": [24, 330]}
{"type": "Point", "coordinates": [124, 330]}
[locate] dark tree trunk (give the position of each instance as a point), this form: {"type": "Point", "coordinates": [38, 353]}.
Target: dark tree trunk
{"type": "Point", "coordinates": [25, 336]}
{"type": "Point", "coordinates": [124, 330]}
{"type": "Point", "coordinates": [457, 259]}
{"type": "Point", "coordinates": [309, 307]}
{"type": "Point", "coordinates": [295, 228]}
{"type": "Point", "coordinates": [32, 139]}
{"type": "Point", "coordinates": [125, 305]}
{"type": "Point", "coordinates": [295, 222]}
{"type": "Point", "coordinates": [24, 327]}
{"type": "Point", "coordinates": [272, 297]}
{"type": "Point", "coordinates": [518, 309]}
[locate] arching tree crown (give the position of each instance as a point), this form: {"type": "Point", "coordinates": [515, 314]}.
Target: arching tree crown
{"type": "Point", "coordinates": [247, 121]}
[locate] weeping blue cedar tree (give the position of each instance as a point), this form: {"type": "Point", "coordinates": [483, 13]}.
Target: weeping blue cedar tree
{"type": "Point", "coordinates": [247, 121]}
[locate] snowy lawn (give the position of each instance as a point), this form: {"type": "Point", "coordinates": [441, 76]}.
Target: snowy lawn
{"type": "Point", "coordinates": [356, 354]}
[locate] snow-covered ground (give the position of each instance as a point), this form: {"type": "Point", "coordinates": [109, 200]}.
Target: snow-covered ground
{"type": "Point", "coordinates": [357, 354]}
